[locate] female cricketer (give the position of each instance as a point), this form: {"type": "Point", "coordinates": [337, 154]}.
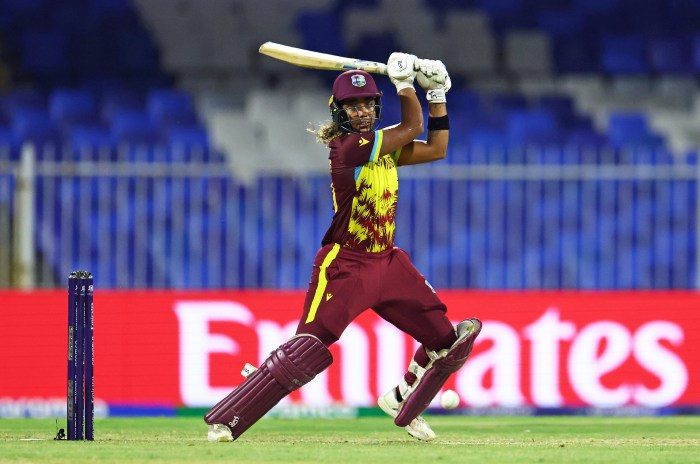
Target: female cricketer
{"type": "Point", "coordinates": [358, 266]}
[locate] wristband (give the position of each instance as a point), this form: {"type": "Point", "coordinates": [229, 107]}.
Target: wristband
{"type": "Point", "coordinates": [439, 123]}
{"type": "Point", "coordinates": [435, 96]}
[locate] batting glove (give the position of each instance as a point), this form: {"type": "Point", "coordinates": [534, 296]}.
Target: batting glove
{"type": "Point", "coordinates": [434, 79]}
{"type": "Point", "coordinates": [401, 70]}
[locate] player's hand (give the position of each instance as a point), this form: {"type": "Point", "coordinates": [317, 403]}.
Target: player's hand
{"type": "Point", "coordinates": [401, 70]}
{"type": "Point", "coordinates": [432, 76]}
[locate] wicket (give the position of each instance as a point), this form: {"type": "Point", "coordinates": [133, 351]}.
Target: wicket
{"type": "Point", "coordinates": [81, 392]}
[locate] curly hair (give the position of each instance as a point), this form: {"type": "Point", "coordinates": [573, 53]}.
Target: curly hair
{"type": "Point", "coordinates": [326, 132]}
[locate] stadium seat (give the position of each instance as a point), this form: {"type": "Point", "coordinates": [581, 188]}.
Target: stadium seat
{"type": "Point", "coordinates": [89, 143]}
{"type": "Point", "coordinates": [623, 55]}
{"type": "Point", "coordinates": [9, 145]}
{"type": "Point", "coordinates": [35, 126]}
{"type": "Point", "coordinates": [91, 137]}
{"type": "Point", "coordinates": [631, 129]}
{"type": "Point", "coordinates": [133, 126]}
{"type": "Point", "coordinates": [118, 98]}
{"type": "Point", "coordinates": [71, 106]}
{"type": "Point", "coordinates": [21, 99]}
{"type": "Point", "coordinates": [186, 143]}
{"type": "Point", "coordinates": [670, 55]}
{"type": "Point", "coordinates": [170, 107]}
{"type": "Point", "coordinates": [319, 31]}
{"type": "Point", "coordinates": [483, 140]}
{"type": "Point", "coordinates": [560, 106]}
{"type": "Point", "coordinates": [585, 139]}
{"type": "Point", "coordinates": [695, 53]}
{"type": "Point", "coordinates": [575, 54]}
{"type": "Point", "coordinates": [524, 127]}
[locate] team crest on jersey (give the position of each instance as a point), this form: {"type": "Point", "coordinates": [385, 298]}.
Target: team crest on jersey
{"type": "Point", "coordinates": [358, 80]}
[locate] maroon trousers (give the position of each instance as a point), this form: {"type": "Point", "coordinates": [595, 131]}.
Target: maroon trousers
{"type": "Point", "coordinates": [345, 282]}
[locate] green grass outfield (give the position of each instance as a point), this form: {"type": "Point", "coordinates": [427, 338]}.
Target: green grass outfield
{"type": "Point", "coordinates": [461, 439]}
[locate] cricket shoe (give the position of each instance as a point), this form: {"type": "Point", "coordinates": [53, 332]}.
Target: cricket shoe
{"type": "Point", "coordinates": [418, 427]}
{"type": "Point", "coordinates": [219, 432]}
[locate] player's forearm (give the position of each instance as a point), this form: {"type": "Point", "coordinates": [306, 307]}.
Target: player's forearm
{"type": "Point", "coordinates": [411, 113]}
{"type": "Point", "coordinates": [435, 110]}
{"type": "Point", "coordinates": [437, 140]}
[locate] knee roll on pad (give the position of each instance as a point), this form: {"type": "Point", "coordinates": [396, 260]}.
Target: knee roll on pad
{"type": "Point", "coordinates": [293, 364]}
{"type": "Point", "coordinates": [438, 371]}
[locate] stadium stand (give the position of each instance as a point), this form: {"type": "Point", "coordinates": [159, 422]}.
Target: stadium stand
{"type": "Point", "coordinates": [536, 83]}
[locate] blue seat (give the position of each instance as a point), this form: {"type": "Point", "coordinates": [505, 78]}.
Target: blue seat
{"type": "Point", "coordinates": [463, 101]}
{"type": "Point", "coordinates": [15, 100]}
{"type": "Point", "coordinates": [133, 126]}
{"type": "Point", "coordinates": [319, 31]}
{"type": "Point", "coordinates": [91, 136]}
{"type": "Point", "coordinates": [9, 145]}
{"type": "Point", "coordinates": [499, 106]}
{"type": "Point", "coordinates": [507, 102]}
{"type": "Point", "coordinates": [187, 143]}
{"type": "Point", "coordinates": [585, 139]}
{"type": "Point", "coordinates": [165, 106]}
{"type": "Point", "coordinates": [577, 54]}
{"type": "Point", "coordinates": [631, 129]}
{"type": "Point", "coordinates": [35, 126]}
{"type": "Point", "coordinates": [531, 126]}
{"type": "Point", "coordinates": [695, 52]}
{"type": "Point", "coordinates": [623, 54]}
{"type": "Point", "coordinates": [670, 55]}
{"type": "Point", "coordinates": [188, 136]}
{"type": "Point", "coordinates": [72, 106]}
{"type": "Point", "coordinates": [561, 107]}
{"type": "Point", "coordinates": [482, 141]}
{"type": "Point", "coordinates": [117, 99]}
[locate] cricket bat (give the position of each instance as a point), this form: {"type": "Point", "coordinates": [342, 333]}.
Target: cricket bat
{"type": "Point", "coordinates": [316, 60]}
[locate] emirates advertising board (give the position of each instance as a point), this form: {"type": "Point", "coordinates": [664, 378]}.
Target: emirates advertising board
{"type": "Point", "coordinates": [162, 350]}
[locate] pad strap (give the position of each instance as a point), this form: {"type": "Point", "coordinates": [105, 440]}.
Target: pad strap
{"type": "Point", "coordinates": [438, 371]}
{"type": "Point", "coordinates": [293, 364]}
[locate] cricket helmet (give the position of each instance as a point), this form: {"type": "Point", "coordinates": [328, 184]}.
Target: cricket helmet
{"type": "Point", "coordinates": [353, 84]}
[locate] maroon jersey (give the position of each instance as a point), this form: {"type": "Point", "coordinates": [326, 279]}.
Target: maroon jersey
{"type": "Point", "coordinates": [364, 184]}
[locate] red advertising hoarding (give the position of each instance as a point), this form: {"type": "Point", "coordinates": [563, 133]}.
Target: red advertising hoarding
{"type": "Point", "coordinates": [543, 349]}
